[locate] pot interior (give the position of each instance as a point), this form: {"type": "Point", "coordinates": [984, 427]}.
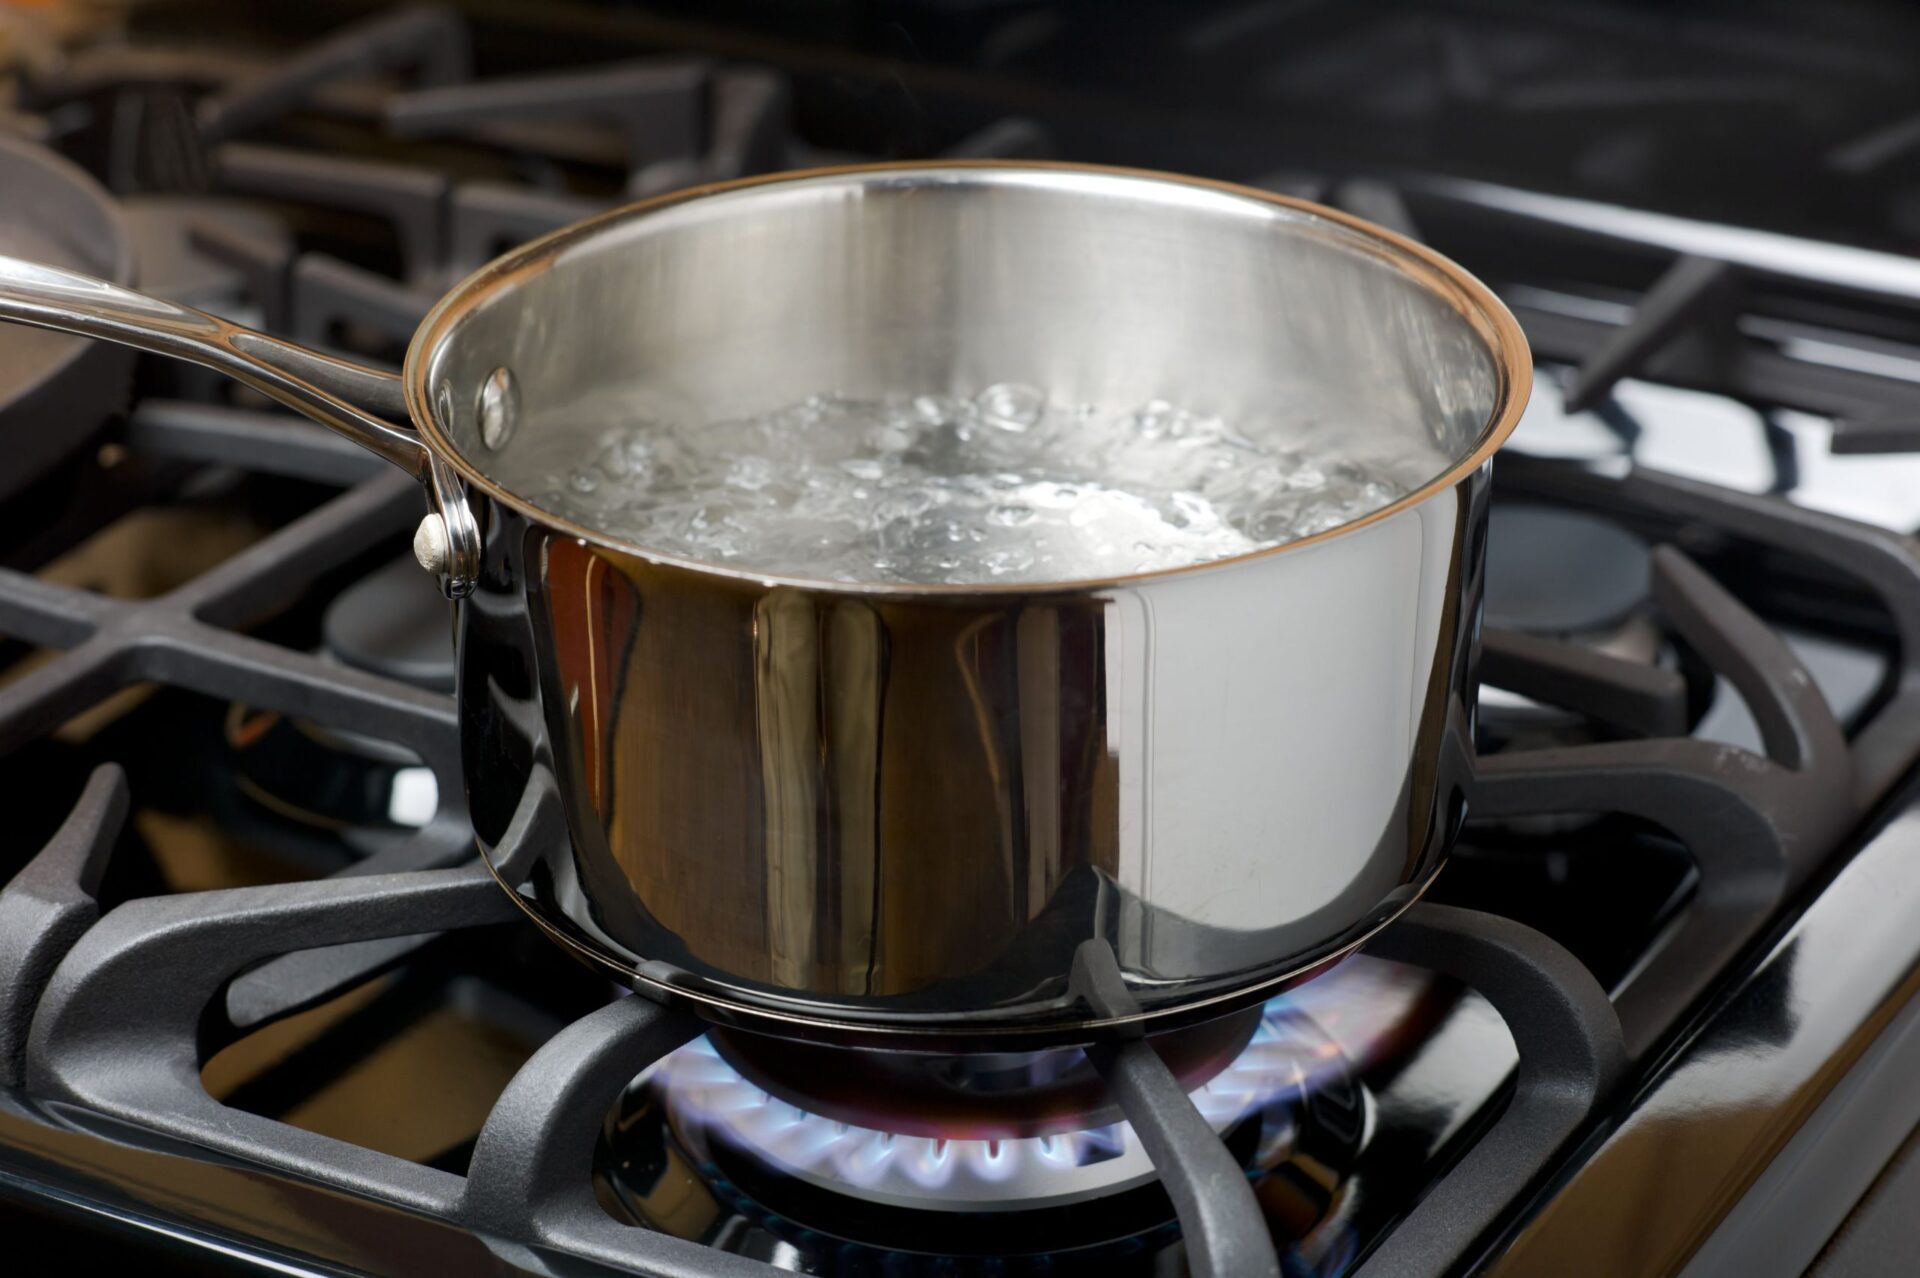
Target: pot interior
{"type": "Point", "coordinates": [1099, 287]}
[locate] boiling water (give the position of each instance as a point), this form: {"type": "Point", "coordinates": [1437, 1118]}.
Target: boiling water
{"type": "Point", "coordinates": [1007, 486]}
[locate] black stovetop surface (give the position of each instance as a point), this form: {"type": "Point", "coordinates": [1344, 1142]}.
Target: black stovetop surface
{"type": "Point", "coordinates": [258, 1008]}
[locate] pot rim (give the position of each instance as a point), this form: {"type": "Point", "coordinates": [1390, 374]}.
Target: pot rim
{"type": "Point", "coordinates": [1488, 317]}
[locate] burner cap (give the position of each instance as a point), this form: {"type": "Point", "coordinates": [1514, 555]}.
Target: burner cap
{"type": "Point", "coordinates": [392, 622]}
{"type": "Point", "coordinates": [1562, 572]}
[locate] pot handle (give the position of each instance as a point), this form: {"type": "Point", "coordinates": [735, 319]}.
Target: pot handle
{"type": "Point", "coordinates": [341, 395]}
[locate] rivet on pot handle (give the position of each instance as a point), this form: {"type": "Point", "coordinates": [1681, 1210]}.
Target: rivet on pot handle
{"type": "Point", "coordinates": [459, 566]}
{"type": "Point", "coordinates": [344, 396]}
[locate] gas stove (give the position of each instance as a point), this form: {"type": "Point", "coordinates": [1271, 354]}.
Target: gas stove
{"type": "Point", "coordinates": [261, 1009]}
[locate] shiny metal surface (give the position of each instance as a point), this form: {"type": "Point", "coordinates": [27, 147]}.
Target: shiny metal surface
{"type": "Point", "coordinates": [53, 297]}
{"type": "Point", "coordinates": [832, 806]}
{"type": "Point", "coordinates": [1686, 1150]}
{"type": "Point", "coordinates": [1791, 257]}
{"type": "Point", "coordinates": [910, 805]}
{"type": "Point", "coordinates": [897, 812]}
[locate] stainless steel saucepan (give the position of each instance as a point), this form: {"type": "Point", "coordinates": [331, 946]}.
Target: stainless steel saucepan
{"type": "Point", "coordinates": [940, 817]}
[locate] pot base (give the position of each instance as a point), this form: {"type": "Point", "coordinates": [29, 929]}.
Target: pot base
{"type": "Point", "coordinates": [1061, 1023]}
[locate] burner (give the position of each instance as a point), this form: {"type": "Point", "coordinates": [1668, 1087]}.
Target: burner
{"type": "Point", "coordinates": [982, 1096]}
{"type": "Point", "coordinates": [1561, 572]}
{"type": "Point", "coordinates": [390, 622]}
{"type": "Point", "coordinates": [695, 1129]}
{"type": "Point", "coordinates": [1568, 575]}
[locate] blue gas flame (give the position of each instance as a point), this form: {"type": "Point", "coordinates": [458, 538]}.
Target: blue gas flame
{"type": "Point", "coordinates": [708, 1099]}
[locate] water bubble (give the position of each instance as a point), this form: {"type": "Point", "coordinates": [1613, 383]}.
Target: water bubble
{"type": "Point", "coordinates": [1009, 559]}
{"type": "Point", "coordinates": [1318, 518]}
{"type": "Point", "coordinates": [1010, 406]}
{"type": "Point", "coordinates": [1274, 524]}
{"type": "Point", "coordinates": [1154, 418]}
{"type": "Point", "coordinates": [1373, 494]}
{"type": "Point", "coordinates": [1190, 509]}
{"type": "Point", "coordinates": [1011, 516]}
{"type": "Point", "coordinates": [892, 438]}
{"type": "Point", "coordinates": [906, 505]}
{"type": "Point", "coordinates": [798, 417]}
{"type": "Point", "coordinates": [750, 474]}
{"type": "Point", "coordinates": [936, 489]}
{"type": "Point", "coordinates": [934, 410]}
{"type": "Point", "coordinates": [614, 461]}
